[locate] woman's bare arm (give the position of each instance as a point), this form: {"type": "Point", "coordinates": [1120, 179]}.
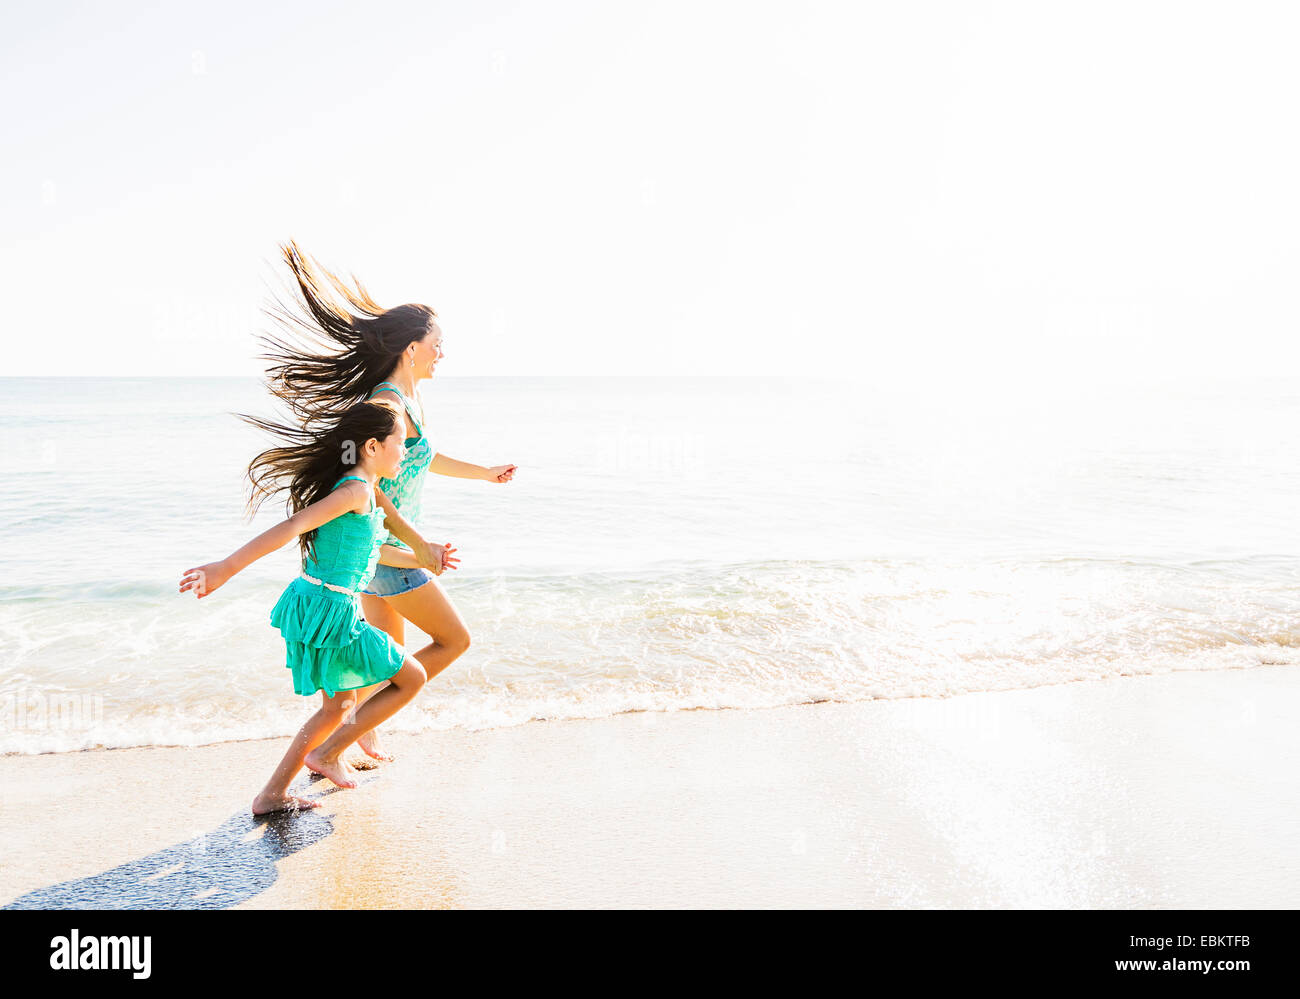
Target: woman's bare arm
{"type": "Point", "coordinates": [445, 465]}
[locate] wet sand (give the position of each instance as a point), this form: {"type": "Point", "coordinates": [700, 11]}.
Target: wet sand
{"type": "Point", "coordinates": [1171, 791]}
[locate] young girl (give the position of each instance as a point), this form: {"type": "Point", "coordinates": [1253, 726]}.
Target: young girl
{"type": "Point", "coordinates": [330, 480]}
{"type": "Point", "coordinates": [337, 351]}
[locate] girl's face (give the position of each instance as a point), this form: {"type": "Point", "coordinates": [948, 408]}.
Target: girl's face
{"type": "Point", "coordinates": [388, 456]}
{"type": "Point", "coordinates": [424, 355]}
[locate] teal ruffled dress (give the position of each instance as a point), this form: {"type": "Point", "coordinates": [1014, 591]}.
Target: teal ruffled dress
{"type": "Point", "coordinates": [329, 646]}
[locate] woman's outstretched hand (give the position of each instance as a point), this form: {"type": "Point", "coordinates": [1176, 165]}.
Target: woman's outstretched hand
{"type": "Point", "coordinates": [204, 579]}
{"type": "Point", "coordinates": [501, 473]}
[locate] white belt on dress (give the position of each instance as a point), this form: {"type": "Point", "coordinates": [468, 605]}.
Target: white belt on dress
{"type": "Point", "coordinates": [328, 586]}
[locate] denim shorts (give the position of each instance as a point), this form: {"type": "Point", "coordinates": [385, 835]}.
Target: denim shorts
{"type": "Point", "coordinates": [389, 581]}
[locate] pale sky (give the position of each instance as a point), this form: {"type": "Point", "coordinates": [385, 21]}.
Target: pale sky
{"type": "Point", "coordinates": [910, 192]}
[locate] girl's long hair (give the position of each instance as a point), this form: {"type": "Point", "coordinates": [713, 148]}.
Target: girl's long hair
{"type": "Point", "coordinates": [334, 350]}
{"type": "Point", "coordinates": [307, 463]}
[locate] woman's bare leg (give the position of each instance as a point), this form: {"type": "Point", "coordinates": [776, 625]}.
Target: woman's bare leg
{"type": "Point", "coordinates": [429, 609]}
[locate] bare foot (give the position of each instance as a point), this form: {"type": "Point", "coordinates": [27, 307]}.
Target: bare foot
{"type": "Point", "coordinates": [265, 803]}
{"type": "Point", "coordinates": [336, 770]}
{"type": "Point", "coordinates": [369, 744]}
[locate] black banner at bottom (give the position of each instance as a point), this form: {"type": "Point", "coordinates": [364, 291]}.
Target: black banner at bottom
{"type": "Point", "coordinates": [1231, 950]}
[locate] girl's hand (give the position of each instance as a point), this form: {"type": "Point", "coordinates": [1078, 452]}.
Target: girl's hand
{"type": "Point", "coordinates": [448, 561]}
{"type": "Point", "coordinates": [428, 555]}
{"type": "Point", "coordinates": [501, 473]}
{"type": "Point", "coordinates": [204, 579]}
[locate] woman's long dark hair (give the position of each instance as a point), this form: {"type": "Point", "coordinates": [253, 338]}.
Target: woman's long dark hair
{"type": "Point", "coordinates": [308, 462]}
{"type": "Point", "coordinates": [338, 351]}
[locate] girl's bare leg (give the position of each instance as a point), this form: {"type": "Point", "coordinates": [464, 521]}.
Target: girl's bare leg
{"type": "Point", "coordinates": [275, 796]}
{"type": "Point", "coordinates": [429, 609]}
{"type": "Point", "coordinates": [402, 686]}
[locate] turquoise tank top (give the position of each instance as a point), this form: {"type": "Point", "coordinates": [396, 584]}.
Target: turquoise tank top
{"type": "Point", "coordinates": [347, 547]}
{"type": "Point", "coordinates": [406, 491]}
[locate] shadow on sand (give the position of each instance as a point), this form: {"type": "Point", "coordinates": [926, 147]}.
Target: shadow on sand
{"type": "Point", "coordinates": [233, 863]}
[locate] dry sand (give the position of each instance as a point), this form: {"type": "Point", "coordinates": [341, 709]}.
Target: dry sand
{"type": "Point", "coordinates": [1171, 791]}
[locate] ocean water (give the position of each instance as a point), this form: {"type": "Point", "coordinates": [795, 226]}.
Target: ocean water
{"type": "Point", "coordinates": [666, 544]}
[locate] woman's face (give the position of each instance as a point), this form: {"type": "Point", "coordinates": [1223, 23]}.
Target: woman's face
{"type": "Point", "coordinates": [427, 353]}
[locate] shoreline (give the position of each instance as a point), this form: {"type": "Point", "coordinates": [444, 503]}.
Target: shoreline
{"type": "Point", "coordinates": [1152, 791]}
{"type": "Point", "coordinates": [434, 733]}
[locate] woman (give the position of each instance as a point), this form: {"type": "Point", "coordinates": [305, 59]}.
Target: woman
{"type": "Point", "coordinates": [344, 353]}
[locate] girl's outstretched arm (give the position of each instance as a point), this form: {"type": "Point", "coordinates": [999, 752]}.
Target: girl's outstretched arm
{"type": "Point", "coordinates": [203, 579]}
{"type": "Point", "coordinates": [444, 465]}
{"type": "Point", "coordinates": [426, 553]}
